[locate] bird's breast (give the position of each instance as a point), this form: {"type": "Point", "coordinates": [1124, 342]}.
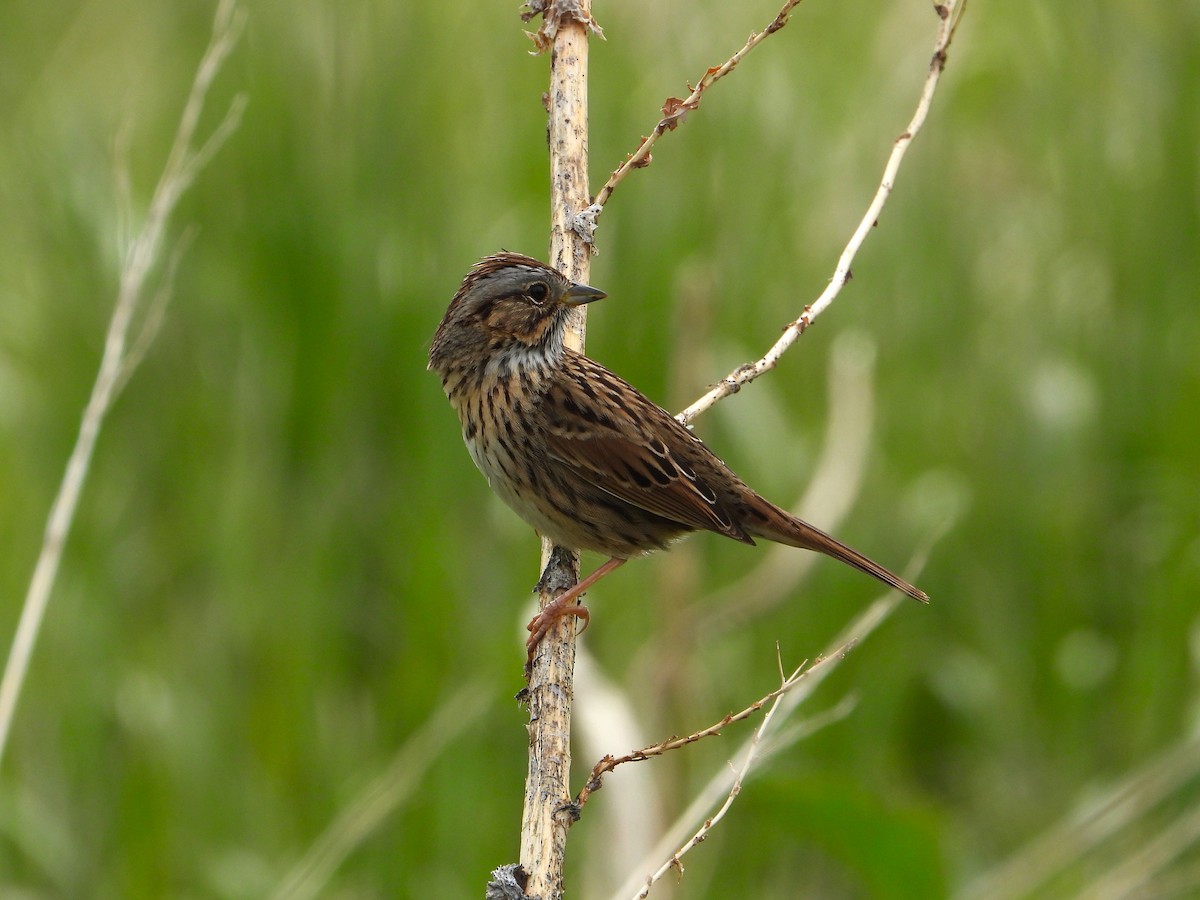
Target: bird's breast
{"type": "Point", "coordinates": [497, 414]}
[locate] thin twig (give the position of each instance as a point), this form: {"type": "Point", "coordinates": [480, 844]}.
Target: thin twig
{"type": "Point", "coordinates": [949, 16]}
{"type": "Point", "coordinates": [752, 750]}
{"type": "Point", "coordinates": [156, 311]}
{"type": "Point", "coordinates": [675, 862]}
{"type": "Point", "coordinates": [861, 627]}
{"type": "Point", "coordinates": [675, 112]}
{"type": "Point", "coordinates": [752, 755]}
{"type": "Point", "coordinates": [180, 168]}
{"type": "Point", "coordinates": [609, 763]}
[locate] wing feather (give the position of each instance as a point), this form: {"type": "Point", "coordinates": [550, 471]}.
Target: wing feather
{"type": "Point", "coordinates": [614, 438]}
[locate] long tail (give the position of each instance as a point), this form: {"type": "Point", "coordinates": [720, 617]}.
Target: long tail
{"type": "Point", "coordinates": [774, 524]}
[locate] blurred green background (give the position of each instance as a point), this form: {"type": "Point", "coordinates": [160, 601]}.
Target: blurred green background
{"type": "Point", "coordinates": [284, 563]}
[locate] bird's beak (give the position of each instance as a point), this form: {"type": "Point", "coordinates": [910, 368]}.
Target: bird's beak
{"type": "Point", "coordinates": [579, 294]}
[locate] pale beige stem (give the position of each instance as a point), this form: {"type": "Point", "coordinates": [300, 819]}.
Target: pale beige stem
{"type": "Point", "coordinates": [949, 14]}
{"type": "Point", "coordinates": [551, 682]}
{"type": "Point", "coordinates": [116, 363]}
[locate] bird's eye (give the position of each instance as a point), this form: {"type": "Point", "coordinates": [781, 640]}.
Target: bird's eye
{"type": "Point", "coordinates": [538, 292]}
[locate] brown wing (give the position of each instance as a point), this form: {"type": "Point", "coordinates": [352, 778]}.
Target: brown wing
{"type": "Point", "coordinates": [613, 437]}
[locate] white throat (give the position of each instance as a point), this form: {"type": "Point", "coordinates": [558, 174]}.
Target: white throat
{"type": "Point", "coordinates": [523, 357]}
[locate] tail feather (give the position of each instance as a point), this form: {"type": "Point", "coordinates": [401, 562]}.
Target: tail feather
{"type": "Point", "coordinates": [776, 525]}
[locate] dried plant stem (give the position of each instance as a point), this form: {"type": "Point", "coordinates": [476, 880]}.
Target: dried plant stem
{"type": "Point", "coordinates": [545, 820]}
{"type": "Point", "coordinates": [749, 758]}
{"type": "Point", "coordinates": [949, 16]}
{"type": "Point", "coordinates": [609, 763]}
{"type": "Point", "coordinates": [674, 113]}
{"type": "Point", "coordinates": [793, 691]}
{"type": "Point", "coordinates": [116, 364]}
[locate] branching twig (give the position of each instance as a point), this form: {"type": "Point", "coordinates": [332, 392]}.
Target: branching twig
{"type": "Point", "coordinates": [183, 162]}
{"type": "Point", "coordinates": [609, 763]}
{"type": "Point", "coordinates": [786, 703]}
{"type": "Point", "coordinates": [750, 755]}
{"type": "Point", "coordinates": [729, 783]}
{"type": "Point", "coordinates": [950, 15]}
{"type": "Point", "coordinates": [156, 311]}
{"type": "Point", "coordinates": [674, 113]}
{"type": "Point", "coordinates": [675, 862]}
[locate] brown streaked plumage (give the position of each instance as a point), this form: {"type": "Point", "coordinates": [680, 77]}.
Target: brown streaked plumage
{"type": "Point", "coordinates": [578, 452]}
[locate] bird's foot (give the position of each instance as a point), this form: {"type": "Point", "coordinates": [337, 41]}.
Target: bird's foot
{"type": "Point", "coordinates": [566, 604]}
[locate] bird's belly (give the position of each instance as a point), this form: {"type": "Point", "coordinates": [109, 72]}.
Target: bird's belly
{"type": "Point", "coordinates": [506, 477]}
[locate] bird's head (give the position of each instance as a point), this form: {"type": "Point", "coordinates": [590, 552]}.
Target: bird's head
{"type": "Point", "coordinates": [509, 310]}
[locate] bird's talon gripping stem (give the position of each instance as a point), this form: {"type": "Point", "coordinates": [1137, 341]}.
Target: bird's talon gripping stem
{"type": "Point", "coordinates": [565, 604]}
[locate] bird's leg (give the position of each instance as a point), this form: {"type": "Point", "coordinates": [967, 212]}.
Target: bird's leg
{"type": "Point", "coordinates": [565, 605]}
